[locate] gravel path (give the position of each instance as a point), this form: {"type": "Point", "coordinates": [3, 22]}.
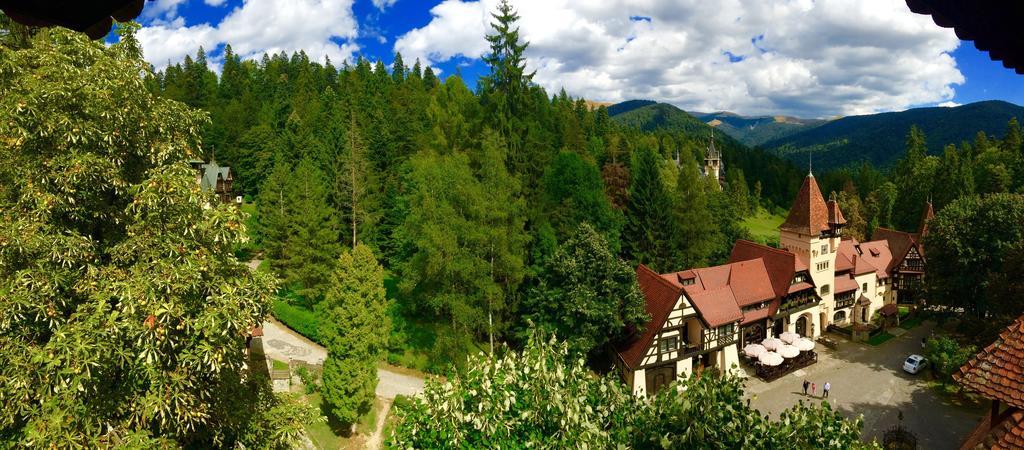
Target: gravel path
{"type": "Point", "coordinates": [869, 381]}
{"type": "Point", "coordinates": [280, 342]}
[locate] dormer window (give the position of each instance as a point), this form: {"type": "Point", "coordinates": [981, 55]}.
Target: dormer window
{"type": "Point", "coordinates": [874, 252]}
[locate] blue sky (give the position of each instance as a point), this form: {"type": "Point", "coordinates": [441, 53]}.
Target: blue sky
{"type": "Point", "coordinates": [809, 59]}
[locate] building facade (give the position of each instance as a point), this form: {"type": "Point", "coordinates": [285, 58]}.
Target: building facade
{"type": "Point", "coordinates": [700, 318]}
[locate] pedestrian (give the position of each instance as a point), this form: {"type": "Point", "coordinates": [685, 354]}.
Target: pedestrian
{"type": "Point", "coordinates": [813, 388]}
{"type": "Point", "coordinates": [806, 385]}
{"type": "Point", "coordinates": [824, 389]}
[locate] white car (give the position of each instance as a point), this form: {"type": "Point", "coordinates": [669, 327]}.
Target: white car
{"type": "Point", "coordinates": [914, 364]}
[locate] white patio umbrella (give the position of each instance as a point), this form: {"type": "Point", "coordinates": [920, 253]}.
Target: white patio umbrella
{"type": "Point", "coordinates": [754, 350]}
{"type": "Point", "coordinates": [804, 344]}
{"type": "Point", "coordinates": [770, 358]}
{"type": "Point", "coordinates": [789, 337]}
{"type": "Point", "coordinates": [788, 351]}
{"type": "Point", "coordinates": [771, 343]}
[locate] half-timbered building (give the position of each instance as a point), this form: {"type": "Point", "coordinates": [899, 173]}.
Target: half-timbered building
{"type": "Point", "coordinates": [700, 318]}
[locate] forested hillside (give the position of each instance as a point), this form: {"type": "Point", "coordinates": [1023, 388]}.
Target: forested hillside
{"type": "Point", "coordinates": [778, 178]}
{"type": "Point", "coordinates": [473, 201]}
{"type": "Point", "coordinates": [878, 138]}
{"type": "Point", "coordinates": [754, 131]}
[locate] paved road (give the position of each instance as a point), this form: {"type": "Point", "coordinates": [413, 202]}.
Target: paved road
{"type": "Point", "coordinates": [280, 342]}
{"type": "Point", "coordinates": [869, 380]}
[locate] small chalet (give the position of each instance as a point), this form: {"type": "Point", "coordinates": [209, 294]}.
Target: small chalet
{"type": "Point", "coordinates": [212, 177]}
{"type": "Point", "coordinates": [701, 317]}
{"type": "Point", "coordinates": [997, 373]}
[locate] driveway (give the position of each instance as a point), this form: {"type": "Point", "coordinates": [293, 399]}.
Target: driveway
{"type": "Point", "coordinates": [280, 342]}
{"type": "Point", "coordinates": [869, 381]}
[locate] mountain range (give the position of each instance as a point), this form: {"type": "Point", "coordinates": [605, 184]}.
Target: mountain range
{"type": "Point", "coordinates": [876, 138]}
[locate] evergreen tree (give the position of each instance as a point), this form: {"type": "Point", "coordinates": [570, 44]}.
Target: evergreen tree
{"type": "Point", "coordinates": [352, 186]}
{"type": "Point", "coordinates": [650, 227]}
{"type": "Point", "coordinates": [739, 192]}
{"type": "Point", "coordinates": [507, 61]}
{"type": "Point", "coordinates": [573, 193]}
{"type": "Point", "coordinates": [398, 69]}
{"type": "Point", "coordinates": [273, 212]}
{"type": "Point", "coordinates": [695, 240]}
{"type": "Point", "coordinates": [311, 246]}
{"type": "Point", "coordinates": [353, 328]}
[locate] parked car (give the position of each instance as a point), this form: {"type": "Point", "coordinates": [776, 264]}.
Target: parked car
{"type": "Point", "coordinates": [914, 364]}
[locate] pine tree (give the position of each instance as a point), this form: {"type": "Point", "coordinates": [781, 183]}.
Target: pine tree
{"type": "Point", "coordinates": [311, 245]}
{"type": "Point", "coordinates": [354, 328]}
{"type": "Point", "coordinates": [507, 61]}
{"type": "Point", "coordinates": [697, 233]}
{"type": "Point", "coordinates": [352, 185]}
{"type": "Point", "coordinates": [398, 69]}
{"type": "Point", "coordinates": [650, 228]}
{"type": "Point", "coordinates": [273, 211]}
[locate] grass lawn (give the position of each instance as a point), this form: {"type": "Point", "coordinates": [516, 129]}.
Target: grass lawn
{"type": "Point", "coordinates": [280, 365]}
{"type": "Point", "coordinates": [879, 338]}
{"type": "Point", "coordinates": [952, 393]}
{"type": "Point", "coordinates": [763, 226]}
{"type": "Point", "coordinates": [911, 323]}
{"type": "Point", "coordinates": [327, 435]}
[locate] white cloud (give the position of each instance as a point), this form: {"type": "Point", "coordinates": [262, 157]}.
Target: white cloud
{"type": "Point", "coordinates": [319, 27]}
{"type": "Point", "coordinates": [801, 57]}
{"type": "Point", "coordinates": [215, 2]}
{"type": "Point", "coordinates": [949, 104]}
{"type": "Point", "coordinates": [384, 4]}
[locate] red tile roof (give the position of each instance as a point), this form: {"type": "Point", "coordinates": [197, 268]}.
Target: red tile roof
{"type": "Point", "coordinates": [780, 264]}
{"type": "Point", "coordinates": [755, 315]}
{"type": "Point", "coordinates": [997, 372]}
{"type": "Point", "coordinates": [799, 287]}
{"type": "Point", "coordinates": [835, 215]}
{"type": "Point", "coordinates": [877, 254]}
{"type": "Point", "coordinates": [900, 243]}
{"type": "Point", "coordinates": [659, 297]}
{"type": "Point", "coordinates": [809, 215]}
{"type": "Point", "coordinates": [844, 283]}
{"type": "Point", "coordinates": [1007, 434]}
{"type": "Point", "coordinates": [851, 254]}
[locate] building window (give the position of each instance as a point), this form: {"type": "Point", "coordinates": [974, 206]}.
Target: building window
{"type": "Point", "coordinates": [864, 287]}
{"type": "Point", "coordinates": [688, 281]}
{"type": "Point", "coordinates": [824, 289]}
{"type": "Point", "coordinates": [668, 344]}
{"type": "Point", "coordinates": [824, 249]}
{"type": "Point", "coordinates": [839, 317]}
{"type": "Point", "coordinates": [725, 330]}
{"type": "Point", "coordinates": [822, 266]}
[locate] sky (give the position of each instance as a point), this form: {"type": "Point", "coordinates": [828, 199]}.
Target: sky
{"type": "Point", "coordinates": [804, 58]}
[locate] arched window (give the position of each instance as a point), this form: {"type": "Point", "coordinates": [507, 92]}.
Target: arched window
{"type": "Point", "coordinates": [839, 317]}
{"type": "Point", "coordinates": [864, 314]}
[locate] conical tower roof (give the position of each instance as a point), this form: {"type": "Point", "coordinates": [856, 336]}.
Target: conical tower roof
{"type": "Point", "coordinates": [928, 214]}
{"type": "Point", "coordinates": [809, 214]}
{"type": "Point", "coordinates": [835, 215]}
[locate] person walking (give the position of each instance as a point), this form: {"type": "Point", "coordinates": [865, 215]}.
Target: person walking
{"type": "Point", "coordinates": [807, 384]}
{"type": "Point", "coordinates": [813, 388]}
{"type": "Point", "coordinates": [824, 389]}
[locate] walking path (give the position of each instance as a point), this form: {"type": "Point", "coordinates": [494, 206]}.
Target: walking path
{"type": "Point", "coordinates": [869, 380]}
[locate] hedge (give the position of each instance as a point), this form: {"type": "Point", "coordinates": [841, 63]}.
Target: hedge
{"type": "Point", "coordinates": [300, 319]}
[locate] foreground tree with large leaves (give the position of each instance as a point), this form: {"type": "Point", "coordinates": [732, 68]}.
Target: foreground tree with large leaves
{"type": "Point", "coordinates": [543, 399]}
{"type": "Point", "coordinates": [123, 312]}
